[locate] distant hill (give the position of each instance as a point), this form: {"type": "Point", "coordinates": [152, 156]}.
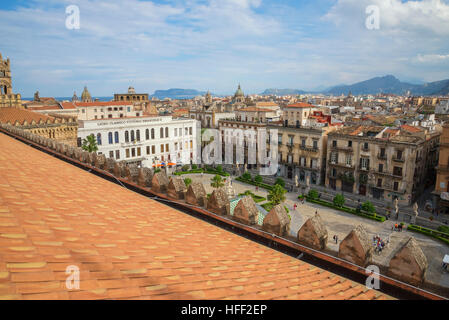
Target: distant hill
{"type": "Point", "coordinates": [282, 92]}
{"type": "Point", "coordinates": [177, 93]}
{"type": "Point", "coordinates": [390, 84]}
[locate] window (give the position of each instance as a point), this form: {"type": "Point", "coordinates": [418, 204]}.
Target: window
{"type": "Point", "coordinates": [176, 132]}
{"type": "Point", "coordinates": [133, 152]}
{"type": "Point", "coordinates": [350, 144]}
{"type": "Point", "coordinates": [382, 152]}
{"type": "Point", "coordinates": [349, 160]}
{"type": "Point", "coordinates": [111, 154]}
{"type": "Point", "coordinates": [138, 135]}
{"type": "Point", "coordinates": [132, 136]}
{"type": "Point", "coordinates": [167, 149]}
{"type": "Point", "coordinates": [365, 146]}
{"type": "Point", "coordinates": [334, 157]}
{"type": "Point", "coordinates": [379, 183]}
{"type": "Point", "coordinates": [381, 167]}
{"type": "Point", "coordinates": [166, 133]}
{"type": "Point", "coordinates": [148, 150]}
{"type": "Point", "coordinates": [117, 140]}
{"type": "Point", "coordinates": [126, 136]}
{"type": "Point", "coordinates": [139, 152]}
{"type": "Point", "coordinates": [399, 154]}
{"type": "Point", "coordinates": [147, 134]}
{"type": "Point", "coordinates": [279, 139]}
{"type": "Point", "coordinates": [152, 133]}
{"type": "Point", "coordinates": [127, 153]}
{"type": "Point", "coordinates": [187, 131]}
{"type": "Point", "coordinates": [161, 133]}
{"type": "Point", "coordinates": [364, 163]}
{"type": "Point", "coordinates": [111, 141]}
{"type": "Point", "coordinates": [99, 139]}
{"type": "Point", "coordinates": [153, 149]}
{"type": "Point", "coordinates": [396, 186]}
{"type": "Point", "coordinates": [315, 144]}
{"type": "Point", "coordinates": [397, 171]}
{"type": "Point", "coordinates": [190, 130]}
{"type": "Point", "coordinates": [334, 143]}
{"type": "Point", "coordinates": [162, 148]}
{"type": "Point", "coordinates": [117, 154]}
{"type": "Point", "coordinates": [110, 116]}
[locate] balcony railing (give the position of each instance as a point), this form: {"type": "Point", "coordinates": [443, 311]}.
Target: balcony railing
{"type": "Point", "coordinates": [308, 148]}
{"type": "Point", "coordinates": [381, 156]}
{"type": "Point", "coordinates": [396, 159]}
{"type": "Point", "coordinates": [364, 168]}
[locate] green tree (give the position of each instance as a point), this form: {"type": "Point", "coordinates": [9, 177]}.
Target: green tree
{"type": "Point", "coordinates": [220, 168]}
{"type": "Point", "coordinates": [246, 176]}
{"type": "Point", "coordinates": [276, 195]}
{"type": "Point", "coordinates": [157, 170]}
{"type": "Point", "coordinates": [217, 182]}
{"type": "Point", "coordinates": [339, 200]}
{"type": "Point", "coordinates": [90, 144]}
{"type": "Point", "coordinates": [188, 181]}
{"type": "Point", "coordinates": [313, 194]}
{"type": "Point", "coordinates": [368, 207]}
{"type": "Point", "coordinates": [194, 167]}
{"type": "Point", "coordinates": [281, 182]}
{"type": "Point", "coordinates": [258, 179]}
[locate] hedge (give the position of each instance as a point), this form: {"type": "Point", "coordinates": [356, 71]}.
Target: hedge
{"type": "Point", "coordinates": [347, 210]}
{"type": "Point", "coordinates": [262, 185]}
{"type": "Point", "coordinates": [255, 197]}
{"type": "Point", "coordinates": [209, 171]}
{"type": "Point", "coordinates": [268, 206]}
{"type": "Point", "coordinates": [443, 236]}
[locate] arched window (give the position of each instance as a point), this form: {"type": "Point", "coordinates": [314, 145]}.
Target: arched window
{"type": "Point", "coordinates": [132, 136]}
{"type": "Point", "coordinates": [126, 136]}
{"type": "Point", "coordinates": [162, 132]}
{"type": "Point", "coordinates": [147, 134]}
{"type": "Point", "coordinates": [152, 133]}
{"type": "Point", "coordinates": [111, 141]}
{"type": "Point", "coordinates": [99, 139]}
{"type": "Point", "coordinates": [138, 135]}
{"type": "Point", "coordinates": [166, 132]}
{"type": "Point", "coordinates": [116, 137]}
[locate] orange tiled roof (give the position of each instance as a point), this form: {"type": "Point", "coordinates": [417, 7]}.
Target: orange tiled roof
{"type": "Point", "coordinates": [266, 104]}
{"type": "Point", "coordinates": [21, 115]}
{"type": "Point", "coordinates": [409, 128]}
{"type": "Point", "coordinates": [68, 105]}
{"type": "Point", "coordinates": [128, 246]}
{"type": "Point", "coordinates": [50, 107]}
{"type": "Point", "coordinates": [300, 105]}
{"type": "Point", "coordinates": [254, 109]}
{"type": "Point", "coordinates": [103, 103]}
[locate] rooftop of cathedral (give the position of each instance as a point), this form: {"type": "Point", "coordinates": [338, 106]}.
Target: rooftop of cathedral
{"type": "Point", "coordinates": [129, 246]}
{"type": "Point", "coordinates": [23, 116]}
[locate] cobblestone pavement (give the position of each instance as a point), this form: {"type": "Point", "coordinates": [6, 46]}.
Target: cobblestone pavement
{"type": "Point", "coordinates": [341, 223]}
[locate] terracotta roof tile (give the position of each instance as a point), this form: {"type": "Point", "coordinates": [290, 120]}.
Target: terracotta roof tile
{"type": "Point", "coordinates": [21, 115]}
{"type": "Point", "coordinates": [128, 246]}
{"type": "Point", "coordinates": [300, 105]}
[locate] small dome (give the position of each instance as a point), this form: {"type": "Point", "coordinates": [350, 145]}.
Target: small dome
{"type": "Point", "coordinates": [85, 96]}
{"type": "Point", "coordinates": [239, 92]}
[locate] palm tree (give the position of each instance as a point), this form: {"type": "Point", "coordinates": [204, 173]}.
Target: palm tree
{"type": "Point", "coordinates": [277, 195]}
{"type": "Point", "coordinates": [217, 182]}
{"type": "Point", "coordinates": [90, 144]}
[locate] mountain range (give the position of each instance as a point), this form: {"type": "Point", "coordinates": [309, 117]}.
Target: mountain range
{"type": "Point", "coordinates": [177, 94]}
{"type": "Point", "coordinates": [385, 84]}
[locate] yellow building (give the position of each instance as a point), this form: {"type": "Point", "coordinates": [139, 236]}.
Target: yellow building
{"type": "Point", "coordinates": [7, 97]}
{"type": "Point", "coordinates": [441, 193]}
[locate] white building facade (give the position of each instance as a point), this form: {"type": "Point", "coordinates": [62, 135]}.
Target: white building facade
{"type": "Point", "coordinates": [145, 141]}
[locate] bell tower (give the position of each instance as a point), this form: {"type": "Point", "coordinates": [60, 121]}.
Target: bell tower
{"type": "Point", "coordinates": [5, 76]}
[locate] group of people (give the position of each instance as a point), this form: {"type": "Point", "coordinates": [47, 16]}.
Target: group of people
{"type": "Point", "coordinates": [397, 227]}
{"type": "Point", "coordinates": [379, 244]}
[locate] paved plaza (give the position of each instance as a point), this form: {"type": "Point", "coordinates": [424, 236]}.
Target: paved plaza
{"type": "Point", "coordinates": [341, 223]}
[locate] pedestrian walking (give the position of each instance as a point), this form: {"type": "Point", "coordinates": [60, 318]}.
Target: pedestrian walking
{"type": "Point", "coordinates": [294, 206]}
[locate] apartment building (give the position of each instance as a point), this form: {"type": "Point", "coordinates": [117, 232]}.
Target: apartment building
{"type": "Point", "coordinates": [382, 163]}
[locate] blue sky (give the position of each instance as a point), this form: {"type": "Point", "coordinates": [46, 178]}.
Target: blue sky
{"type": "Point", "coordinates": [216, 44]}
